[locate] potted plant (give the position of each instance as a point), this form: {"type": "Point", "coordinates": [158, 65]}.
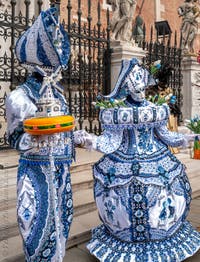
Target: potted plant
{"type": "Point", "coordinates": [194, 125]}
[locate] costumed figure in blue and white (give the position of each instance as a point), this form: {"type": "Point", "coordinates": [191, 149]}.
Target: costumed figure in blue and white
{"type": "Point", "coordinates": [44, 197]}
{"type": "Point", "coordinates": [141, 189]}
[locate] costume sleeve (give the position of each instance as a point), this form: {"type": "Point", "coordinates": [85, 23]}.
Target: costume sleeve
{"type": "Point", "coordinates": [18, 108]}
{"type": "Point", "coordinates": [173, 139]}
{"type": "Point", "coordinates": [109, 141]}
{"type": "Point", "coordinates": [106, 143]}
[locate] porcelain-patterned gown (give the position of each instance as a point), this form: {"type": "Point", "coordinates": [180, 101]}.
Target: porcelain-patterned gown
{"type": "Point", "coordinates": [141, 189]}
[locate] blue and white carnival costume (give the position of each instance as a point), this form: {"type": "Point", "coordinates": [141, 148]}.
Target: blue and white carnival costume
{"type": "Point", "coordinates": [44, 196]}
{"type": "Point", "coordinates": [141, 189]}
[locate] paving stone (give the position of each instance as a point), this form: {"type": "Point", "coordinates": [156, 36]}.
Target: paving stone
{"type": "Point", "coordinates": [84, 222]}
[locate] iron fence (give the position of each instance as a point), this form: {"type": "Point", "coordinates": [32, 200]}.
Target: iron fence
{"type": "Point", "coordinates": [88, 70]}
{"type": "Point", "coordinates": [168, 53]}
{"type": "Point", "coordinates": [12, 23]}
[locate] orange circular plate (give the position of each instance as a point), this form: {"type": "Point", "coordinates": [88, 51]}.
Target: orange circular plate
{"type": "Point", "coordinates": [49, 125]}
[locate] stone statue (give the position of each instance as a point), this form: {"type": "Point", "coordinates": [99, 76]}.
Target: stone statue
{"type": "Point", "coordinates": [189, 12]}
{"type": "Point", "coordinates": [121, 22]}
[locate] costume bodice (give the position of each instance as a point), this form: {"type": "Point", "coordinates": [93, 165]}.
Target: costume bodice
{"type": "Point", "coordinates": [133, 128]}
{"type": "Point", "coordinates": [140, 141]}
{"type": "Point", "coordinates": [134, 115]}
{"type": "Point", "coordinates": [21, 104]}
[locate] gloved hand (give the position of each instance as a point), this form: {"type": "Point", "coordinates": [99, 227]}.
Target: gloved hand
{"type": "Point", "coordinates": [84, 139]}
{"type": "Point", "coordinates": [189, 138]}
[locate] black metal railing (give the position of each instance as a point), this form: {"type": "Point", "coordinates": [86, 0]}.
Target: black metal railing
{"type": "Point", "coordinates": [88, 71]}
{"type": "Point", "coordinates": [12, 24]}
{"type": "Point", "coordinates": [163, 49]}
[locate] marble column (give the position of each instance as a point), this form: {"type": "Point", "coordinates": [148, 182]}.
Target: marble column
{"type": "Point", "coordinates": [191, 87]}
{"type": "Point", "coordinates": [120, 51]}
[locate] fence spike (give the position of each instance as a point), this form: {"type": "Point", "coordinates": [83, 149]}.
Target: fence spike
{"type": "Point", "coordinates": [169, 40]}
{"type": "Point", "coordinates": [108, 27]}
{"type": "Point", "coordinates": [151, 34]}
{"type": "Point", "coordinates": [99, 15]}
{"type": "Point", "coordinates": [69, 8]}
{"type": "Point", "coordinates": [89, 17]}
{"type": "Point", "coordinates": [40, 3]}
{"type": "Point", "coordinates": [27, 4]}
{"type": "Point", "coordinates": [175, 39]}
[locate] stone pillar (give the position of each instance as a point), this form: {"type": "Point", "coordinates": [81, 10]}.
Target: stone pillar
{"type": "Point", "coordinates": [120, 51]}
{"type": "Point", "coordinates": [191, 87]}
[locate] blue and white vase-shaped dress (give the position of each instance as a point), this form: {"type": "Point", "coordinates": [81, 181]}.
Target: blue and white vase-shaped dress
{"type": "Point", "coordinates": [141, 189]}
{"type": "Point", "coordinates": [44, 196]}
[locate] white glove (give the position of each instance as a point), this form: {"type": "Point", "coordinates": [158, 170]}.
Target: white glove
{"type": "Point", "coordinates": [189, 138]}
{"type": "Point", "coordinates": [84, 139]}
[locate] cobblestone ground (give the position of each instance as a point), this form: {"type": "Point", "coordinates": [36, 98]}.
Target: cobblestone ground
{"type": "Point", "coordinates": [80, 253]}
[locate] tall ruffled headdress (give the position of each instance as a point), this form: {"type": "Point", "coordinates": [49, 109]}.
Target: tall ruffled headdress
{"type": "Point", "coordinates": [45, 43]}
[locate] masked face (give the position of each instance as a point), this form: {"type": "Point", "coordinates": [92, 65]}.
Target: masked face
{"type": "Point", "coordinates": [137, 92]}
{"type": "Point", "coordinates": [137, 83]}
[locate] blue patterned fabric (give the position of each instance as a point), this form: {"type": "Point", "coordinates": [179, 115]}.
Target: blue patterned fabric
{"type": "Point", "coordinates": [181, 245]}
{"type": "Point", "coordinates": [44, 214]}
{"type": "Point", "coordinates": [141, 189]}
{"type": "Point", "coordinates": [44, 196]}
{"type": "Point", "coordinates": [144, 115]}
{"type": "Point", "coordinates": [45, 43]}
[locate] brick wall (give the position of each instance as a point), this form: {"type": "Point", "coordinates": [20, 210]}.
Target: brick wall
{"type": "Point", "coordinates": [152, 10]}
{"type": "Point", "coordinates": [84, 9]}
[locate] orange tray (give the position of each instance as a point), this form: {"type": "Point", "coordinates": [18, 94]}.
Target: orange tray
{"type": "Point", "coordinates": [49, 125]}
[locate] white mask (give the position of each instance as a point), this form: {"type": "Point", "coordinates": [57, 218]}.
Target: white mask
{"type": "Point", "coordinates": [137, 83]}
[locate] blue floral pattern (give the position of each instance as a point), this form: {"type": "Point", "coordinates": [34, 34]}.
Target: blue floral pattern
{"type": "Point", "coordinates": [178, 247]}
{"type": "Point", "coordinates": [109, 209]}
{"type": "Point", "coordinates": [42, 190]}
{"type": "Point", "coordinates": [141, 189]}
{"type": "Point", "coordinates": [145, 142]}
{"type": "Point", "coordinates": [133, 182]}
